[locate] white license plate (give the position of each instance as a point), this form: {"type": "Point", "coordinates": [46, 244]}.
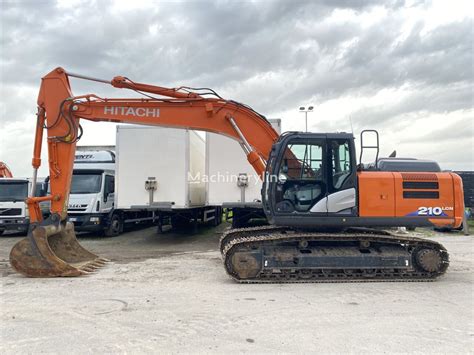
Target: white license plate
{"type": "Point", "coordinates": [72, 219]}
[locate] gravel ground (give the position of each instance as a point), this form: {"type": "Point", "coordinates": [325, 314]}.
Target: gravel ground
{"type": "Point", "coordinates": [169, 293]}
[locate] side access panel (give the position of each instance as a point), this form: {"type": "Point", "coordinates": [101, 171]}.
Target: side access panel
{"type": "Point", "coordinates": [376, 194]}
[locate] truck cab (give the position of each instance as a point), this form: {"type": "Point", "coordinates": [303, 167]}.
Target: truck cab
{"type": "Point", "coordinates": [14, 215]}
{"type": "Point", "coordinates": [91, 199]}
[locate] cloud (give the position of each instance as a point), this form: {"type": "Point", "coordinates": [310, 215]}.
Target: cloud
{"type": "Point", "coordinates": [383, 64]}
{"type": "Point", "coordinates": [422, 99]}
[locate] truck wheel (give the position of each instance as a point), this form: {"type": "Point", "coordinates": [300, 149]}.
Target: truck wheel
{"type": "Point", "coordinates": [115, 226]}
{"type": "Point", "coordinates": [1, 231]}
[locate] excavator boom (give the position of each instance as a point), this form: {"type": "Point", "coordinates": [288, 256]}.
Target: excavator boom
{"type": "Point", "coordinates": [182, 110]}
{"type": "Point", "coordinates": [51, 248]}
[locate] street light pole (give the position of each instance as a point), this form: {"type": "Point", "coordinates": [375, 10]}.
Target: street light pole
{"type": "Point", "coordinates": [306, 110]}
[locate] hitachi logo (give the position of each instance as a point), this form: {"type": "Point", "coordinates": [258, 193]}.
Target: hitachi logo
{"type": "Point", "coordinates": [132, 111]}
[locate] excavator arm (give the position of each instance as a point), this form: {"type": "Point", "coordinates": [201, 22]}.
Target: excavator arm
{"type": "Point", "coordinates": [51, 248]}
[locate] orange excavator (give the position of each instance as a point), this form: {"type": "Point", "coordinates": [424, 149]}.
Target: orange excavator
{"type": "Point", "coordinates": [5, 172]}
{"type": "Point", "coordinates": [321, 205]}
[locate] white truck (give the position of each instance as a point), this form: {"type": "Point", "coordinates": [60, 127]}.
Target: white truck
{"type": "Point", "coordinates": [231, 181]}
{"type": "Point", "coordinates": [91, 199]}
{"type": "Point", "coordinates": [14, 216]}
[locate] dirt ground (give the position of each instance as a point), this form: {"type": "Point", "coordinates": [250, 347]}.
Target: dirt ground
{"type": "Point", "coordinates": [169, 293]}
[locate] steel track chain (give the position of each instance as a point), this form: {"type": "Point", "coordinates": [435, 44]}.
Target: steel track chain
{"type": "Point", "coordinates": [241, 232]}
{"type": "Point", "coordinates": [236, 238]}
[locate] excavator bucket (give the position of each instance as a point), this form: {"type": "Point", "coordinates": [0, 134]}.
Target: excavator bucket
{"type": "Point", "coordinates": [53, 251]}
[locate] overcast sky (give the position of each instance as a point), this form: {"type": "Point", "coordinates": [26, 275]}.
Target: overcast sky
{"type": "Point", "coordinates": [404, 68]}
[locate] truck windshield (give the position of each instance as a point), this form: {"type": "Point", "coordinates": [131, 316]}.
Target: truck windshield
{"type": "Point", "coordinates": [13, 191]}
{"type": "Point", "coordinates": [40, 189]}
{"type": "Point", "coordinates": [86, 183]}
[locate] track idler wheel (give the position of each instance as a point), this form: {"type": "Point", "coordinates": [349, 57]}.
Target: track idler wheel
{"type": "Point", "coordinates": [429, 260]}
{"type": "Point", "coordinates": [51, 251]}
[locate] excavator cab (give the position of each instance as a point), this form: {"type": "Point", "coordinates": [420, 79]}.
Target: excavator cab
{"type": "Point", "coordinates": [310, 176]}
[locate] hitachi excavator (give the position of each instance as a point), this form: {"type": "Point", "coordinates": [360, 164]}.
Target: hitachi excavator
{"type": "Point", "coordinates": [5, 171]}
{"type": "Point", "coordinates": [318, 201]}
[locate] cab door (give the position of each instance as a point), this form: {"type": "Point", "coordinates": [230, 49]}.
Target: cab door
{"type": "Point", "coordinates": [302, 176]}
{"type": "Point", "coordinates": [342, 176]}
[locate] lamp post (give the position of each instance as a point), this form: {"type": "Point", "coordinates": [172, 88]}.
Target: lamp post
{"type": "Point", "coordinates": [306, 110]}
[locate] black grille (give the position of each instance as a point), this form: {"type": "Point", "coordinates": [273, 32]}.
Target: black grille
{"type": "Point", "coordinates": [10, 211]}
{"type": "Point", "coordinates": [420, 185]}
{"type": "Point", "coordinates": [420, 194]}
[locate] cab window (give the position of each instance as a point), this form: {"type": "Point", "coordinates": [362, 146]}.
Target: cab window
{"type": "Point", "coordinates": [303, 161]}
{"type": "Point", "coordinates": [341, 163]}
{"type": "Point", "coordinates": [301, 176]}
{"type": "Point", "coordinates": [109, 184]}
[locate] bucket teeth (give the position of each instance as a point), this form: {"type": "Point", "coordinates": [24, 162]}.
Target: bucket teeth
{"type": "Point", "coordinates": [50, 251]}
{"type": "Point", "coordinates": [91, 267]}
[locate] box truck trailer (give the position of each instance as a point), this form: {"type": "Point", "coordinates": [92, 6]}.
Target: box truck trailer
{"type": "Point", "coordinates": [231, 181]}
{"type": "Point", "coordinates": [165, 177]}
{"type": "Point", "coordinates": [113, 186]}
